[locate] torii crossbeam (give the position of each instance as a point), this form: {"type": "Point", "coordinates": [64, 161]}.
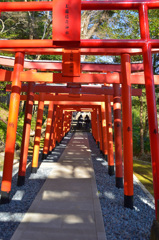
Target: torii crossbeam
{"type": "Point", "coordinates": [66, 41]}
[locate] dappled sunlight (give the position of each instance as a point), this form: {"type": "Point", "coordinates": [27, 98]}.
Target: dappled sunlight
{"type": "Point", "coordinates": [71, 171]}
{"type": "Point", "coordinates": [88, 150]}
{"type": "Point", "coordinates": [83, 172]}
{"type": "Point", "coordinates": [73, 219]}
{"type": "Point", "coordinates": [58, 195]}
{"type": "Point", "coordinates": [18, 195]}
{"type": "Point", "coordinates": [150, 204]}
{"type": "Point", "coordinates": [56, 220]}
{"type": "Point", "coordinates": [99, 159]}
{"type": "Point", "coordinates": [61, 171]}
{"type": "Point", "coordinates": [55, 153]}
{"type": "Point", "coordinates": [4, 216]}
{"type": "Point", "coordinates": [40, 218]}
{"type": "Point", "coordinates": [81, 146]}
{"type": "Point", "coordinates": [109, 195]}
{"type": "Point", "coordinates": [78, 138]}
{"type": "Point", "coordinates": [68, 201]}
{"type": "Point", "coordinates": [136, 209]}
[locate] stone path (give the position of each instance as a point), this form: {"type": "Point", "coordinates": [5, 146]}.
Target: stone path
{"type": "Point", "coordinates": [67, 206]}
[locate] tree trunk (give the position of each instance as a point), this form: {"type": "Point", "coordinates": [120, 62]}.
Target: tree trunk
{"type": "Point", "coordinates": [141, 126]}
{"type": "Point", "coordinates": [146, 125]}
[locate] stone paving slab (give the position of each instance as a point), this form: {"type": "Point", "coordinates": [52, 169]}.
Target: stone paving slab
{"type": "Point", "coordinates": [67, 206]}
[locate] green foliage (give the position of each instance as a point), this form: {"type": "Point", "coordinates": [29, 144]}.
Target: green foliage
{"type": "Point", "coordinates": [2, 88]}
{"type": "Point", "coordinates": [4, 106]}
{"type": "Point", "coordinates": [136, 125]}
{"type": "Point", "coordinates": [33, 122]}
{"type": "Point", "coordinates": [20, 129]}
{"type": "Point", "coordinates": [136, 131]}
{"type": "Point", "coordinates": [153, 15]}
{"type": "Point", "coordinates": [95, 24]}
{"type": "Point", "coordinates": [51, 57]}
{"type": "Point", "coordinates": [121, 25]}
{"type": "Point", "coordinates": [3, 129]}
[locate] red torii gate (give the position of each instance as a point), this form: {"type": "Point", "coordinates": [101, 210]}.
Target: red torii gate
{"type": "Point", "coordinates": [57, 66]}
{"type": "Point", "coordinates": [71, 38]}
{"type": "Point", "coordinates": [77, 90]}
{"type": "Point", "coordinates": [109, 78]}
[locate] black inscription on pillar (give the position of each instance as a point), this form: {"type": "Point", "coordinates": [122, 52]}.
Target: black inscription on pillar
{"type": "Point", "coordinates": [129, 129]}
{"type": "Point", "coordinates": [11, 124]}
{"type": "Point", "coordinates": [67, 19]}
{"type": "Point", "coordinates": [155, 131]}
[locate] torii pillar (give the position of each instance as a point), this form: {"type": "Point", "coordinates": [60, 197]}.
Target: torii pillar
{"type": "Point", "coordinates": [35, 160]}
{"type": "Point", "coordinates": [109, 136]}
{"type": "Point", "coordinates": [151, 103]}
{"type": "Point", "coordinates": [104, 130]}
{"type": "Point", "coordinates": [26, 135]}
{"type": "Point", "coordinates": [12, 128]}
{"type": "Point", "coordinates": [127, 130]}
{"type": "Point", "coordinates": [48, 129]}
{"type": "Point", "coordinates": [118, 137]}
{"type": "Point", "coordinates": [100, 129]}
{"type": "Point", "coordinates": [52, 135]}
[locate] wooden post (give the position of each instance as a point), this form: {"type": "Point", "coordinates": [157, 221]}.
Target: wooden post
{"type": "Point", "coordinates": [93, 124]}
{"type": "Point", "coordinates": [48, 130]}
{"type": "Point", "coordinates": [104, 130]}
{"type": "Point", "coordinates": [98, 132]}
{"type": "Point", "coordinates": [109, 136]}
{"type": "Point", "coordinates": [151, 102]}
{"type": "Point", "coordinates": [127, 130]}
{"type": "Point", "coordinates": [52, 142]}
{"type": "Point", "coordinates": [34, 166]}
{"type": "Point", "coordinates": [26, 135]}
{"type": "Point", "coordinates": [12, 128]}
{"type": "Point", "coordinates": [58, 126]}
{"type": "Point", "coordinates": [118, 137]}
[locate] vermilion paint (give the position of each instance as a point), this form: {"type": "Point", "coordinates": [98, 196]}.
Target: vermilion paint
{"type": "Point", "coordinates": [104, 130]}
{"type": "Point", "coordinates": [127, 131]}
{"type": "Point", "coordinates": [151, 101]}
{"type": "Point", "coordinates": [26, 134]}
{"type": "Point", "coordinates": [118, 136]}
{"type": "Point", "coordinates": [12, 128]}
{"type": "Point", "coordinates": [38, 133]}
{"type": "Point", "coordinates": [109, 135]}
{"type": "Point", "coordinates": [48, 129]}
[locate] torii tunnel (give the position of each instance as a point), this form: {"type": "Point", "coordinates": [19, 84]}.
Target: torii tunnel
{"type": "Point", "coordinates": [77, 88]}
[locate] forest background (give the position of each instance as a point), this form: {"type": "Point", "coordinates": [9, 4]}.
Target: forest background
{"type": "Point", "coordinates": [94, 25]}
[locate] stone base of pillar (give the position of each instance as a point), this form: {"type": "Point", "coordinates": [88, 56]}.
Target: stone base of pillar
{"type": "Point", "coordinates": [44, 156]}
{"type": "Point", "coordinates": [34, 170]}
{"type": "Point", "coordinates": [106, 157]}
{"type": "Point", "coordinates": [128, 201]}
{"type": "Point", "coordinates": [20, 181]}
{"type": "Point", "coordinates": [111, 170]}
{"type": "Point", "coordinates": [155, 230]}
{"type": "Point", "coordinates": [119, 182]}
{"type": "Point", "coordinates": [5, 197]}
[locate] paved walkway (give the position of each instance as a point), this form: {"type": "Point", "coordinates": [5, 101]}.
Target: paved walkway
{"type": "Point", "coordinates": [67, 206]}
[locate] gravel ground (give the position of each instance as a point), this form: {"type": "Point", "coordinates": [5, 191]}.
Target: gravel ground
{"type": "Point", "coordinates": [11, 214]}
{"type": "Point", "coordinates": [120, 223]}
